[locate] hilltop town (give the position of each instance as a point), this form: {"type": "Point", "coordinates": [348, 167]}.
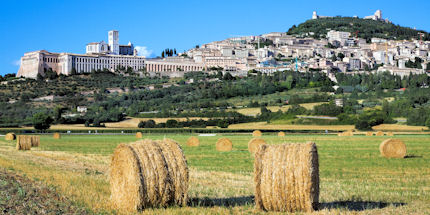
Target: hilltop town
{"type": "Point", "coordinates": [335, 51]}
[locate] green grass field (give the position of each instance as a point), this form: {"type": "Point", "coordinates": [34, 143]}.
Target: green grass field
{"type": "Point", "coordinates": [354, 178]}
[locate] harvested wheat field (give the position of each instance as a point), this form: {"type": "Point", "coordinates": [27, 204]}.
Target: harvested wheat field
{"type": "Point", "coordinates": [193, 141]}
{"type": "Point", "coordinates": [353, 176]}
{"type": "Point", "coordinates": [286, 177]}
{"type": "Point", "coordinates": [254, 144]}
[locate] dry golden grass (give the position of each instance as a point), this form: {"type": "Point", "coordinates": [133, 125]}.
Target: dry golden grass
{"type": "Point", "coordinates": [397, 127]}
{"type": "Point", "coordinates": [133, 122]}
{"type": "Point", "coordinates": [255, 111]}
{"type": "Point", "coordinates": [265, 126]}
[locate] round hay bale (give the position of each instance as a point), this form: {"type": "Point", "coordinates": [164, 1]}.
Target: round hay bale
{"type": "Point", "coordinates": [257, 133]}
{"type": "Point", "coordinates": [286, 177]}
{"type": "Point", "coordinates": [390, 134]}
{"type": "Point", "coordinates": [224, 145]}
{"type": "Point", "coordinates": [369, 133]}
{"type": "Point", "coordinates": [23, 142]}
{"type": "Point", "coordinates": [393, 148]}
{"type": "Point", "coordinates": [147, 174]}
{"type": "Point", "coordinates": [193, 141]}
{"type": "Point", "coordinates": [379, 134]}
{"type": "Point", "coordinates": [56, 135]}
{"type": "Point", "coordinates": [139, 135]}
{"type": "Point", "coordinates": [340, 134]}
{"type": "Point", "coordinates": [281, 134]}
{"type": "Point", "coordinates": [254, 144]}
{"type": "Point", "coordinates": [10, 136]}
{"type": "Point", "coordinates": [35, 141]}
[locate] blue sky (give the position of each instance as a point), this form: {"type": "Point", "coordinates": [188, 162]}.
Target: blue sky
{"type": "Point", "coordinates": [67, 26]}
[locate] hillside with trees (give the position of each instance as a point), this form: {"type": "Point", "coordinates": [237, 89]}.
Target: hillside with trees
{"type": "Point", "coordinates": [365, 28]}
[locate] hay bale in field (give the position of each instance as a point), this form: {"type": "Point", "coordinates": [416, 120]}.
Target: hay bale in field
{"type": "Point", "coordinates": [193, 141]}
{"type": "Point", "coordinates": [56, 135]}
{"type": "Point", "coordinates": [147, 174]}
{"type": "Point", "coordinates": [369, 133]}
{"type": "Point", "coordinates": [379, 134]}
{"type": "Point", "coordinates": [10, 136]}
{"type": "Point", "coordinates": [286, 177]}
{"type": "Point", "coordinates": [257, 133]}
{"type": "Point", "coordinates": [254, 144]}
{"type": "Point", "coordinates": [23, 142]}
{"type": "Point", "coordinates": [224, 145]}
{"type": "Point", "coordinates": [346, 134]}
{"type": "Point", "coordinates": [390, 134]}
{"type": "Point", "coordinates": [139, 135]}
{"type": "Point", "coordinates": [281, 134]}
{"type": "Point", "coordinates": [35, 141]}
{"type": "Point", "coordinates": [393, 148]}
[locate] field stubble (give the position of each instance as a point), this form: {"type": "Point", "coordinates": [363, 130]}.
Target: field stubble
{"type": "Point", "coordinates": [354, 178]}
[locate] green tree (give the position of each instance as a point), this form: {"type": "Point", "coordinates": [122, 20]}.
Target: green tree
{"type": "Point", "coordinates": [41, 121]}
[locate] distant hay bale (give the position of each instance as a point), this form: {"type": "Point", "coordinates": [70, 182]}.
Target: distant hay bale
{"type": "Point", "coordinates": [35, 141]}
{"type": "Point", "coordinates": [390, 134]}
{"type": "Point", "coordinates": [139, 135]}
{"type": "Point", "coordinates": [346, 134]}
{"type": "Point", "coordinates": [379, 134]}
{"type": "Point", "coordinates": [393, 148]}
{"type": "Point", "coordinates": [369, 133]}
{"type": "Point", "coordinates": [10, 136]}
{"type": "Point", "coordinates": [193, 141]}
{"type": "Point", "coordinates": [281, 134]}
{"type": "Point", "coordinates": [254, 143]}
{"type": "Point", "coordinates": [56, 135]}
{"type": "Point", "coordinates": [224, 145]}
{"type": "Point", "coordinates": [256, 133]}
{"type": "Point", "coordinates": [148, 174]}
{"type": "Point", "coordinates": [23, 142]}
{"type": "Point", "coordinates": [286, 177]}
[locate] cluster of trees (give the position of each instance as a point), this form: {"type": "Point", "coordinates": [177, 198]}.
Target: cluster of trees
{"type": "Point", "coordinates": [168, 53]}
{"type": "Point", "coordinates": [378, 81]}
{"type": "Point", "coordinates": [414, 64]}
{"type": "Point", "coordinates": [7, 76]}
{"type": "Point", "coordinates": [366, 28]}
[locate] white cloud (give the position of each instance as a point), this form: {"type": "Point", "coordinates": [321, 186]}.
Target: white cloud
{"type": "Point", "coordinates": [16, 62]}
{"type": "Point", "coordinates": [143, 51]}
